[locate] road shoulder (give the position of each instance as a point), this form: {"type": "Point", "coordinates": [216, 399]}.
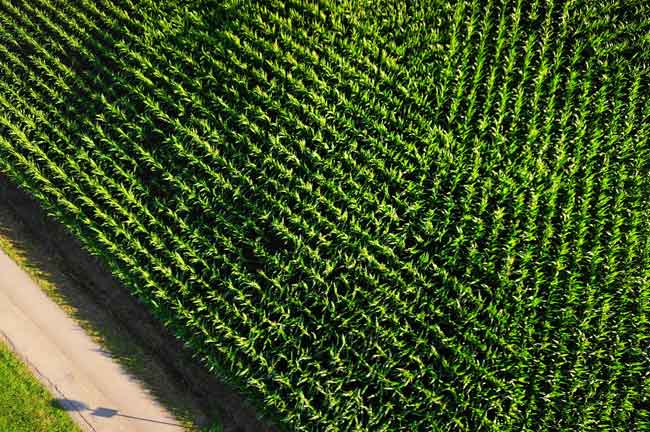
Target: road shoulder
{"type": "Point", "coordinates": [116, 321]}
{"type": "Point", "coordinates": [84, 379]}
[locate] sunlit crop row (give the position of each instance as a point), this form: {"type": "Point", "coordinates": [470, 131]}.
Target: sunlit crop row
{"type": "Point", "coordinates": [366, 215]}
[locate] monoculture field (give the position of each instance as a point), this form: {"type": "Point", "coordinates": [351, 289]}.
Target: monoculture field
{"type": "Point", "coordinates": [367, 215]}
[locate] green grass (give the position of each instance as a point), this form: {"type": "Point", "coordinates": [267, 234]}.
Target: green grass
{"type": "Point", "coordinates": [25, 406]}
{"type": "Point", "coordinates": [367, 215]}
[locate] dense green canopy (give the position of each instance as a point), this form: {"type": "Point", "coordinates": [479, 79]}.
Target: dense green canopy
{"type": "Point", "coordinates": [368, 215]}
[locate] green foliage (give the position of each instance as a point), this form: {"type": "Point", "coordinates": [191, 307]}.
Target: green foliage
{"type": "Point", "coordinates": [366, 215]}
{"type": "Point", "coordinates": [25, 406]}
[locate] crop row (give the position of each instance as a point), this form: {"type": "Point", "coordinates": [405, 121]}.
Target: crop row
{"type": "Point", "coordinates": [432, 221]}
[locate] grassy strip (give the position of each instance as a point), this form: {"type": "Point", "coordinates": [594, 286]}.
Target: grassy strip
{"type": "Point", "coordinates": [24, 404]}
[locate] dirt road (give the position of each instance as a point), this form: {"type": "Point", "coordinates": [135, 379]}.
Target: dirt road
{"type": "Point", "coordinates": [83, 378]}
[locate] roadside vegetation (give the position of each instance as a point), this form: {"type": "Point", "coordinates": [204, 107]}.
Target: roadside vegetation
{"type": "Point", "coordinates": [36, 252]}
{"type": "Point", "coordinates": [25, 406]}
{"type": "Point", "coordinates": [366, 215]}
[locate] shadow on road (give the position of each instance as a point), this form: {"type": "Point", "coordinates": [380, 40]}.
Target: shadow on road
{"type": "Point", "coordinates": [77, 406]}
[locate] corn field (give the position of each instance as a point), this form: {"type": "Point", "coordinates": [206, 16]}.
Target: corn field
{"type": "Point", "coordinates": [365, 215]}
